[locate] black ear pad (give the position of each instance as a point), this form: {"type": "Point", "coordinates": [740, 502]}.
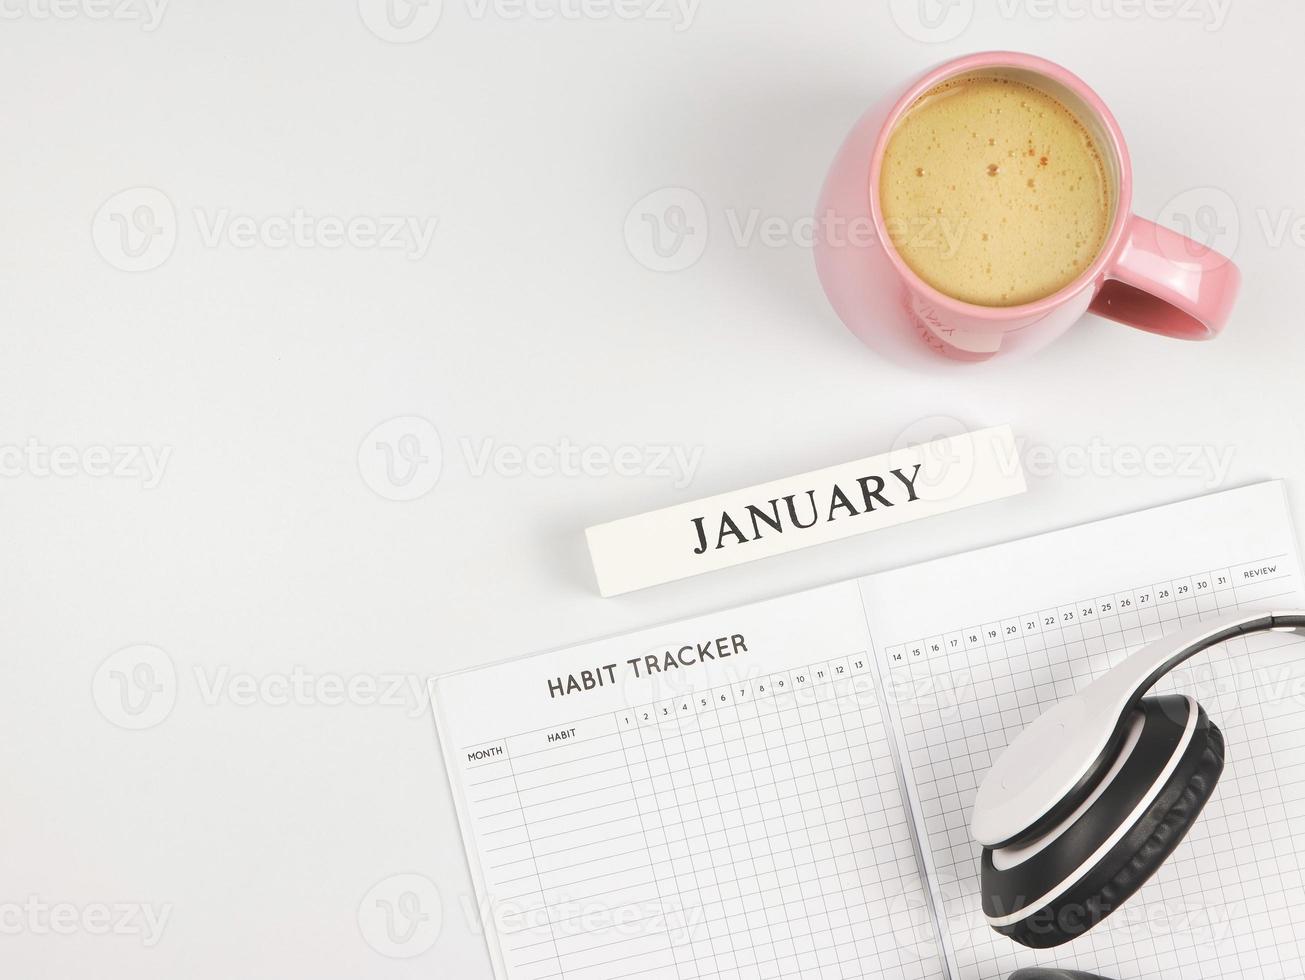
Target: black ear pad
{"type": "Point", "coordinates": [1038, 973]}
{"type": "Point", "coordinates": [1051, 891]}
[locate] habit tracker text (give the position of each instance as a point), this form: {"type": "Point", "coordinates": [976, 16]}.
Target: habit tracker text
{"type": "Point", "coordinates": [645, 665]}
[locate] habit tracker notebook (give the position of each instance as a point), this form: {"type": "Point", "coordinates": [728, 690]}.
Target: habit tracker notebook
{"type": "Point", "coordinates": [784, 789]}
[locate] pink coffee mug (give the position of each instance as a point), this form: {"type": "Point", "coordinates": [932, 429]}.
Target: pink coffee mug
{"type": "Point", "coordinates": [1145, 276]}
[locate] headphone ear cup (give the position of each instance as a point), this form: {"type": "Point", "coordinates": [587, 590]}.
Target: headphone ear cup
{"type": "Point", "coordinates": [1077, 875]}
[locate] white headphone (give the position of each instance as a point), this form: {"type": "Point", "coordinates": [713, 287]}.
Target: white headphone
{"type": "Point", "coordinates": [1091, 798]}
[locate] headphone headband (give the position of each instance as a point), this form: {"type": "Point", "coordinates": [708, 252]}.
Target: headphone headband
{"type": "Point", "coordinates": [1040, 776]}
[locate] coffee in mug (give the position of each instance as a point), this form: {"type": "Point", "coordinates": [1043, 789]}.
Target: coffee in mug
{"type": "Point", "coordinates": [994, 192]}
{"type": "Point", "coordinates": [999, 190]}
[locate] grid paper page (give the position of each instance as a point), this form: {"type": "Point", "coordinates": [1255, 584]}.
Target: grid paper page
{"type": "Point", "coordinates": [738, 817]}
{"type": "Point", "coordinates": [978, 645]}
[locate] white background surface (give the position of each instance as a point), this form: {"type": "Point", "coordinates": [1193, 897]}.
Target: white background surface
{"type": "Point", "coordinates": [259, 826]}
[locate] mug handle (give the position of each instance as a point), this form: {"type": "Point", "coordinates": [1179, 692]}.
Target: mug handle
{"type": "Point", "coordinates": [1169, 284]}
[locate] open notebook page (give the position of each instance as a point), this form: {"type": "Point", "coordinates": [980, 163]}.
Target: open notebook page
{"type": "Point", "coordinates": [975, 646]}
{"type": "Point", "coordinates": [715, 798]}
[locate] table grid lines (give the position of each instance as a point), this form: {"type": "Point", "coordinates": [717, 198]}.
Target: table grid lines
{"type": "Point", "coordinates": [757, 819]}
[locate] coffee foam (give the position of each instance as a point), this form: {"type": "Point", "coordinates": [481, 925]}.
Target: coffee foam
{"type": "Point", "coordinates": [994, 192]}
